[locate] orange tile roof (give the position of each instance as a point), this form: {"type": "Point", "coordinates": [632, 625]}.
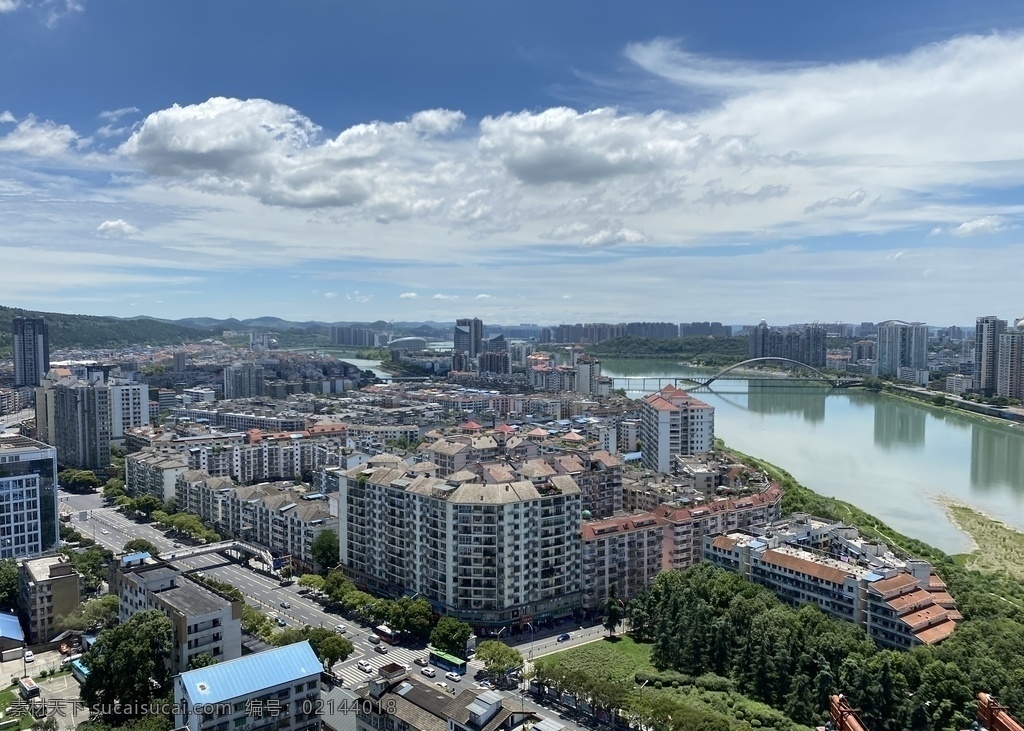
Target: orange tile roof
{"type": "Point", "coordinates": [925, 617]}
{"type": "Point", "coordinates": [902, 603]}
{"type": "Point", "coordinates": [803, 566]}
{"type": "Point", "coordinates": [899, 581]}
{"type": "Point", "coordinates": [936, 633]}
{"type": "Point", "coordinates": [723, 543]}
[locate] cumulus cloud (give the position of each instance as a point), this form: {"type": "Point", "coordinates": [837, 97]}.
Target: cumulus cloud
{"type": "Point", "coordinates": [437, 121]}
{"type": "Point", "coordinates": [981, 226]}
{"type": "Point", "coordinates": [408, 296]}
{"type": "Point", "coordinates": [117, 229]}
{"type": "Point", "coordinates": [115, 114]}
{"type": "Point", "coordinates": [614, 236]}
{"type": "Point", "coordinates": [5, 116]}
{"type": "Point", "coordinates": [445, 297]}
{"type": "Point", "coordinates": [38, 139]}
{"type": "Point", "coordinates": [9, 6]}
{"type": "Point", "coordinates": [483, 296]}
{"type": "Point", "coordinates": [851, 201]}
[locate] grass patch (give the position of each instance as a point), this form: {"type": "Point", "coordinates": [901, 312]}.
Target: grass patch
{"type": "Point", "coordinates": [1000, 548]}
{"type": "Point", "coordinates": [618, 660]}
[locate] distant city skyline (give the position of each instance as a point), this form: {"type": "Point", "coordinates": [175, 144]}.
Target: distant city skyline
{"type": "Point", "coordinates": [571, 162]}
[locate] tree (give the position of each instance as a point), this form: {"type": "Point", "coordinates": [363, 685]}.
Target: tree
{"type": "Point", "coordinates": [498, 658]}
{"type": "Point", "coordinates": [419, 616]}
{"type": "Point", "coordinates": [91, 564]}
{"type": "Point", "coordinates": [329, 646]}
{"type": "Point", "coordinates": [325, 550]}
{"type": "Point", "coordinates": [612, 611]}
{"type": "Point", "coordinates": [100, 612]}
{"type": "Point", "coordinates": [8, 584]}
{"type": "Point", "coordinates": [202, 660]}
{"type": "Point", "coordinates": [450, 635]}
{"type": "Point", "coordinates": [129, 664]}
{"type": "Point", "coordinates": [147, 505]}
{"type": "Point", "coordinates": [312, 581]}
{"type": "Point", "coordinates": [141, 545]}
{"type": "Point", "coordinates": [80, 481]}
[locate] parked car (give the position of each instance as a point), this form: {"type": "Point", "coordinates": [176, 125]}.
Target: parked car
{"type": "Point", "coordinates": [429, 672]}
{"type": "Point", "coordinates": [421, 661]}
{"type": "Point", "coordinates": [454, 677]}
{"type": "Point", "coordinates": [445, 687]}
{"type": "Point", "coordinates": [340, 629]}
{"type": "Point", "coordinates": [382, 649]}
{"type": "Point", "coordinates": [565, 637]}
{"type": "Point", "coordinates": [365, 666]}
{"type": "Point", "coordinates": [29, 656]}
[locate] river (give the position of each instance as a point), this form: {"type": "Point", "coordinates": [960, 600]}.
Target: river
{"type": "Point", "coordinates": [885, 455]}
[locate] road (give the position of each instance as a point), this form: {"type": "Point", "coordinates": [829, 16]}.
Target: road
{"type": "Point", "coordinates": [112, 530]}
{"type": "Point", "coordinates": [11, 422]}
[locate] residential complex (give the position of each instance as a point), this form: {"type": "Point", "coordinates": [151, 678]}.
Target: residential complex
{"type": "Point", "coordinates": [898, 603]}
{"type": "Point", "coordinates": [987, 334]}
{"type": "Point", "coordinates": [243, 381]}
{"type": "Point", "coordinates": [28, 497]}
{"type": "Point", "coordinates": [901, 345]}
{"type": "Point", "coordinates": [622, 552]}
{"type": "Point", "coordinates": [803, 344]}
{"type": "Point", "coordinates": [49, 589]}
{"type": "Point", "coordinates": [275, 689]}
{"type": "Point", "coordinates": [204, 621]}
{"type": "Point", "coordinates": [492, 551]}
{"type": "Point", "coordinates": [469, 334]}
{"type": "Point", "coordinates": [1010, 373]}
{"type": "Point", "coordinates": [31, 345]}
{"type": "Point", "coordinates": [282, 517]}
{"type": "Point", "coordinates": [671, 423]}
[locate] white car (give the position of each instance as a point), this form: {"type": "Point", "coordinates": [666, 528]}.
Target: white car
{"type": "Point", "coordinates": [365, 666]}
{"type": "Point", "coordinates": [444, 687]}
{"type": "Point", "coordinates": [105, 532]}
{"type": "Point", "coordinates": [29, 656]}
{"type": "Point", "coordinates": [454, 677]}
{"type": "Point", "coordinates": [340, 629]}
{"type": "Point", "coordinates": [382, 649]}
{"type": "Point", "coordinates": [429, 672]}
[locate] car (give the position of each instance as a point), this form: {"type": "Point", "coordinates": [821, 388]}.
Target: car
{"type": "Point", "coordinates": [29, 657]}
{"type": "Point", "coordinates": [176, 545]}
{"type": "Point", "coordinates": [285, 605]}
{"type": "Point", "coordinates": [382, 649]}
{"type": "Point", "coordinates": [281, 622]}
{"type": "Point", "coordinates": [429, 672]}
{"type": "Point", "coordinates": [105, 532]}
{"type": "Point", "coordinates": [365, 666]}
{"type": "Point", "coordinates": [454, 677]}
{"type": "Point", "coordinates": [564, 637]}
{"type": "Point", "coordinates": [340, 629]}
{"type": "Point", "coordinates": [421, 661]}
{"type": "Point", "coordinates": [444, 686]}
{"type": "Point", "coordinates": [373, 639]}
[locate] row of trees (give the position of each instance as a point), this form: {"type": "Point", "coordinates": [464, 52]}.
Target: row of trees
{"type": "Point", "coordinates": [78, 481]}
{"type": "Point", "coordinates": [706, 620]}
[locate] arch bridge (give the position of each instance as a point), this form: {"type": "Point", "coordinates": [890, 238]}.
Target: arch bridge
{"type": "Point", "coordinates": [725, 373]}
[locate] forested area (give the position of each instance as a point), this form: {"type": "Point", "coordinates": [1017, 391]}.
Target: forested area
{"type": "Point", "coordinates": [718, 352]}
{"type": "Point", "coordinates": [707, 620]}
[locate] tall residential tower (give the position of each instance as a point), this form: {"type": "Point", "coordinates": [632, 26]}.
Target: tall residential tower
{"type": "Point", "coordinates": [31, 350]}
{"type": "Point", "coordinates": [986, 353]}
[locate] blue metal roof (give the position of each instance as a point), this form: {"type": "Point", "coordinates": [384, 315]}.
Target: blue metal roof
{"type": "Point", "coordinates": [251, 674]}
{"type": "Point", "coordinates": [80, 667]}
{"type": "Point", "coordinates": [873, 577]}
{"type": "Point", "coordinates": [757, 544]}
{"type": "Point", "coordinates": [10, 627]}
{"type": "Point", "coordinates": [142, 556]}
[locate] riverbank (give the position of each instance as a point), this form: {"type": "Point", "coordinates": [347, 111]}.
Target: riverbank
{"type": "Point", "coordinates": [950, 407]}
{"type": "Point", "coordinates": [997, 547]}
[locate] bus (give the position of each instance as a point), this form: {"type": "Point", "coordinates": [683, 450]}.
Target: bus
{"type": "Point", "coordinates": [447, 662]}
{"type": "Point", "coordinates": [28, 688]}
{"type": "Point", "coordinates": [386, 633]}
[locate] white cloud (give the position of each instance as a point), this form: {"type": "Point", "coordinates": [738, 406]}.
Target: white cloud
{"type": "Point", "coordinates": [437, 121]}
{"type": "Point", "coordinates": [483, 296]}
{"type": "Point", "coordinates": [117, 229]}
{"type": "Point", "coordinates": [408, 296]}
{"type": "Point", "coordinates": [611, 237]}
{"type": "Point", "coordinates": [330, 295]}
{"type": "Point", "coordinates": [38, 139]}
{"type": "Point", "coordinates": [115, 114]}
{"type": "Point", "coordinates": [9, 6]}
{"type": "Point", "coordinates": [5, 116]}
{"type": "Point", "coordinates": [359, 297]}
{"type": "Point", "coordinates": [851, 201]}
{"type": "Point", "coordinates": [981, 226]}
{"type": "Point", "coordinates": [445, 297]}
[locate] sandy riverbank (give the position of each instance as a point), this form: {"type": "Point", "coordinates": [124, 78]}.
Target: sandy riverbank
{"type": "Point", "coordinates": [995, 545]}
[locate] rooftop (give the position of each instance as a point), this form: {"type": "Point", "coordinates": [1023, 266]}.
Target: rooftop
{"type": "Point", "coordinates": [251, 674]}
{"type": "Point", "coordinates": [192, 600]}
{"type": "Point", "coordinates": [10, 627]}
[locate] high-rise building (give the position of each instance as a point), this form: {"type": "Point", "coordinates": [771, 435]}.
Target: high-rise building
{"type": "Point", "coordinates": [1010, 377]}
{"type": "Point", "coordinates": [672, 422]}
{"type": "Point", "coordinates": [901, 345]}
{"type": "Point", "coordinates": [50, 590]}
{"type": "Point", "coordinates": [180, 361]}
{"type": "Point", "coordinates": [82, 424]}
{"type": "Point", "coordinates": [468, 334]}
{"type": "Point", "coordinates": [28, 497]}
{"type": "Point", "coordinates": [31, 350]}
{"type": "Point", "coordinates": [244, 380]}
{"type": "Point", "coordinates": [759, 345]}
{"type": "Point", "coordinates": [986, 353]}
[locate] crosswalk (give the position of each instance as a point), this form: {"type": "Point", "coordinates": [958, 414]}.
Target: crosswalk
{"type": "Point", "coordinates": [353, 676]}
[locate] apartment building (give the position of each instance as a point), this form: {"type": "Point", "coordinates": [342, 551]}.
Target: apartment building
{"type": "Point", "coordinates": [83, 424]}
{"type": "Point", "coordinates": [598, 474]}
{"type": "Point", "coordinates": [28, 497]}
{"type": "Point", "coordinates": [232, 420]}
{"type": "Point", "coordinates": [686, 528]}
{"type": "Point", "coordinates": [492, 553]}
{"type": "Point", "coordinates": [276, 690]}
{"type": "Point", "coordinates": [1010, 371]}
{"type": "Point", "coordinates": [153, 473]}
{"type": "Point", "coordinates": [672, 422]}
{"type": "Point", "coordinates": [204, 621]}
{"type": "Point", "coordinates": [49, 588]}
{"type": "Point", "coordinates": [31, 346]}
{"type": "Point", "coordinates": [625, 552]}
{"type": "Point", "coordinates": [282, 517]}
{"type": "Point", "coordinates": [899, 604]}
{"type": "Point", "coordinates": [244, 380]}
{"type": "Point", "coordinates": [397, 700]}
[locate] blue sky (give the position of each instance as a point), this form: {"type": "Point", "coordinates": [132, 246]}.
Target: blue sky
{"type": "Point", "coordinates": [521, 162]}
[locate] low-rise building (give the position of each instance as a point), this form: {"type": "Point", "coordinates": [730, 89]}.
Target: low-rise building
{"type": "Point", "coordinates": [624, 552]}
{"type": "Point", "coordinates": [204, 621]}
{"type": "Point", "coordinates": [50, 588]}
{"type": "Point", "coordinates": [397, 700]}
{"type": "Point", "coordinates": [276, 689]}
{"type": "Point", "coordinates": [150, 472]}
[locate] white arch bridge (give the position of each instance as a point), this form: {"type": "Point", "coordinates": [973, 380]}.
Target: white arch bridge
{"type": "Point", "coordinates": [644, 382]}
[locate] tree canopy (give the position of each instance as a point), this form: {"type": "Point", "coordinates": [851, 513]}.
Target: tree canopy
{"type": "Point", "coordinates": [141, 545]}
{"type": "Point", "coordinates": [100, 612]}
{"type": "Point", "coordinates": [498, 658]}
{"type": "Point", "coordinates": [80, 481]}
{"type": "Point", "coordinates": [128, 664]}
{"type": "Point", "coordinates": [325, 550]}
{"type": "Point", "coordinates": [451, 635]}
{"type": "Point", "coordinates": [329, 646]}
{"type": "Point", "coordinates": [8, 583]}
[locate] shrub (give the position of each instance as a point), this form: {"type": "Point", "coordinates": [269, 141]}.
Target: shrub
{"type": "Point", "coordinates": [714, 682]}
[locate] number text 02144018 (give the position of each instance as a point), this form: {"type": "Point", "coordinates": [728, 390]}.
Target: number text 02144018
{"type": "Point", "coordinates": [330, 706]}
